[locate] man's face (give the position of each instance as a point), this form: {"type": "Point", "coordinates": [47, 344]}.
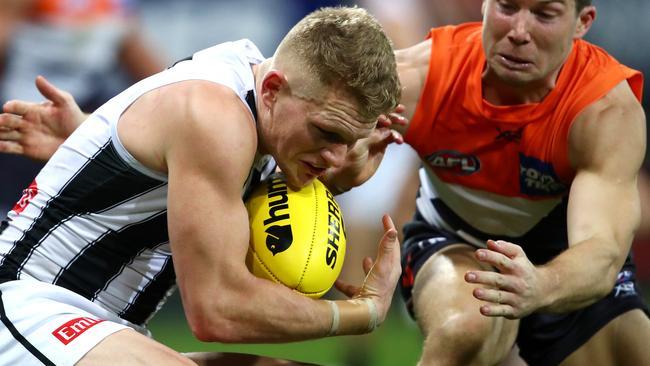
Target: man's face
{"type": "Point", "coordinates": [307, 137]}
{"type": "Point", "coordinates": [528, 40]}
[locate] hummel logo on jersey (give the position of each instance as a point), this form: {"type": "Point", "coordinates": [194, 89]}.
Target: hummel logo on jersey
{"type": "Point", "coordinates": [280, 237]}
{"type": "Point", "coordinates": [510, 135]}
{"type": "Point", "coordinates": [454, 162]}
{"type": "Point", "coordinates": [537, 178]}
{"type": "Point", "coordinates": [72, 329]}
{"type": "Point", "coordinates": [28, 194]}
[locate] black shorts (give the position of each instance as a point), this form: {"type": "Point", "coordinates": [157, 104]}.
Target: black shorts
{"type": "Point", "coordinates": [543, 339]}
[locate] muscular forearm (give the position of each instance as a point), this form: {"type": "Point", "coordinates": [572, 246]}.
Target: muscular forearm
{"type": "Point", "coordinates": [580, 276]}
{"type": "Point", "coordinates": [261, 311]}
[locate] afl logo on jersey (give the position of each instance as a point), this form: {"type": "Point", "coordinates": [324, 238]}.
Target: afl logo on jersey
{"type": "Point", "coordinates": [454, 162]}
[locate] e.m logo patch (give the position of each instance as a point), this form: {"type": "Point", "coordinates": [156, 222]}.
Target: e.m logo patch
{"type": "Point", "coordinates": [72, 329]}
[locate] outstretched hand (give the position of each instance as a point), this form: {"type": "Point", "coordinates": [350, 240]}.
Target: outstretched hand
{"type": "Point", "coordinates": [382, 274]}
{"type": "Point", "coordinates": [515, 290]}
{"type": "Point", "coordinates": [36, 130]}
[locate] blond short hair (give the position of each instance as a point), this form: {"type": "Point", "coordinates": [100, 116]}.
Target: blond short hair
{"type": "Point", "coordinates": [345, 46]}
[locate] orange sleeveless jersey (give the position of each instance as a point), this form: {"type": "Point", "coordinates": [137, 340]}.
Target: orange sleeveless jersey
{"type": "Point", "coordinates": [79, 11]}
{"type": "Point", "coordinates": [515, 151]}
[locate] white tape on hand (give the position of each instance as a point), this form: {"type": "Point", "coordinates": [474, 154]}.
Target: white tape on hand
{"type": "Point", "coordinates": [374, 317]}
{"type": "Point", "coordinates": [336, 318]}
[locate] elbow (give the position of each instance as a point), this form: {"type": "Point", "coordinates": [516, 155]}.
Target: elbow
{"type": "Point", "coordinates": [213, 327]}
{"type": "Point", "coordinates": [602, 290]}
{"type": "Point", "coordinates": [218, 316]}
{"type": "Point", "coordinates": [609, 280]}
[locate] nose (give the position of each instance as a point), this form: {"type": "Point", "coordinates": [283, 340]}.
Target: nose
{"type": "Point", "coordinates": [519, 33]}
{"type": "Point", "coordinates": [334, 155]}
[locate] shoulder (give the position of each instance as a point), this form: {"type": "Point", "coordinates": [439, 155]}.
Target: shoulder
{"type": "Point", "coordinates": [413, 67]}
{"type": "Point", "coordinates": [610, 130]}
{"type": "Point", "coordinates": [209, 124]}
{"type": "Point", "coordinates": [457, 34]}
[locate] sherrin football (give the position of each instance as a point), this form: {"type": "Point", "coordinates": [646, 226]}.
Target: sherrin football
{"type": "Point", "coordinates": [297, 237]}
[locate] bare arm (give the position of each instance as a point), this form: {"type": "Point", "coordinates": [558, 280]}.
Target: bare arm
{"type": "Point", "coordinates": [607, 145]}
{"type": "Point", "coordinates": [413, 67]}
{"type": "Point", "coordinates": [208, 157]}
{"type": "Point", "coordinates": [643, 233]}
{"type": "Point", "coordinates": [222, 300]}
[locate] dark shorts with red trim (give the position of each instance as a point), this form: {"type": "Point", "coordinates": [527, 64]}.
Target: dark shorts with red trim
{"type": "Point", "coordinates": [543, 339]}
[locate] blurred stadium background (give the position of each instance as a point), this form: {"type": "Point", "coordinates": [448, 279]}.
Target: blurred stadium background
{"type": "Point", "coordinates": [177, 28]}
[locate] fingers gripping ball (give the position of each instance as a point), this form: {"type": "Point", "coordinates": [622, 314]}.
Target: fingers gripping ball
{"type": "Point", "coordinates": [297, 237]}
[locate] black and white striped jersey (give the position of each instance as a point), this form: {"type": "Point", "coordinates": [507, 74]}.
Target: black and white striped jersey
{"type": "Point", "coordinates": [95, 220]}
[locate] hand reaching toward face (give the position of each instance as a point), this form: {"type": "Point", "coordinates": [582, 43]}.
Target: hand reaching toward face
{"type": "Point", "coordinates": [363, 159]}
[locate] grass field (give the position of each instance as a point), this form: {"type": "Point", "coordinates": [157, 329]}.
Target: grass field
{"type": "Point", "coordinates": [396, 343]}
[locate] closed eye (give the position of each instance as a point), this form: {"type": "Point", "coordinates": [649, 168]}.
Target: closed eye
{"type": "Point", "coordinates": [331, 137]}
{"type": "Point", "coordinates": [545, 15]}
{"type": "Point", "coordinates": [506, 7]}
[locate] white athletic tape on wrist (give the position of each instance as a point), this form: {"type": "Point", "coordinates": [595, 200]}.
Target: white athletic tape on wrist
{"type": "Point", "coordinates": [374, 317]}
{"type": "Point", "coordinates": [336, 318]}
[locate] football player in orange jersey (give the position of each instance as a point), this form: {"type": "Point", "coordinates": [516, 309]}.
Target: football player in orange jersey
{"type": "Point", "coordinates": [531, 140]}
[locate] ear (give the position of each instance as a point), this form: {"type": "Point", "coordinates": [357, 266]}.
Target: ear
{"type": "Point", "coordinates": [274, 81]}
{"type": "Point", "coordinates": [483, 7]}
{"type": "Point", "coordinates": [586, 18]}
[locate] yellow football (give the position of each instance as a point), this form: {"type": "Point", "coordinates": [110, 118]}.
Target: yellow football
{"type": "Point", "coordinates": [297, 237]}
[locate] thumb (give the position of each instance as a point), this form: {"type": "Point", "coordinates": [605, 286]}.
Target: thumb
{"type": "Point", "coordinates": [386, 247]}
{"type": "Point", "coordinates": [367, 264]}
{"type": "Point", "coordinates": [49, 91]}
{"type": "Point", "coordinates": [389, 240]}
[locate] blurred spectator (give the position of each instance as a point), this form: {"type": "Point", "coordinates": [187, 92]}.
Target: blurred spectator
{"type": "Point", "coordinates": [79, 45]}
{"type": "Point", "coordinates": [91, 48]}
{"type": "Point", "coordinates": [187, 25]}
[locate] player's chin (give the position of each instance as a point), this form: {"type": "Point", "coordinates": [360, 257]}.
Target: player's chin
{"type": "Point", "coordinates": [517, 78]}
{"type": "Point", "coordinates": [299, 179]}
